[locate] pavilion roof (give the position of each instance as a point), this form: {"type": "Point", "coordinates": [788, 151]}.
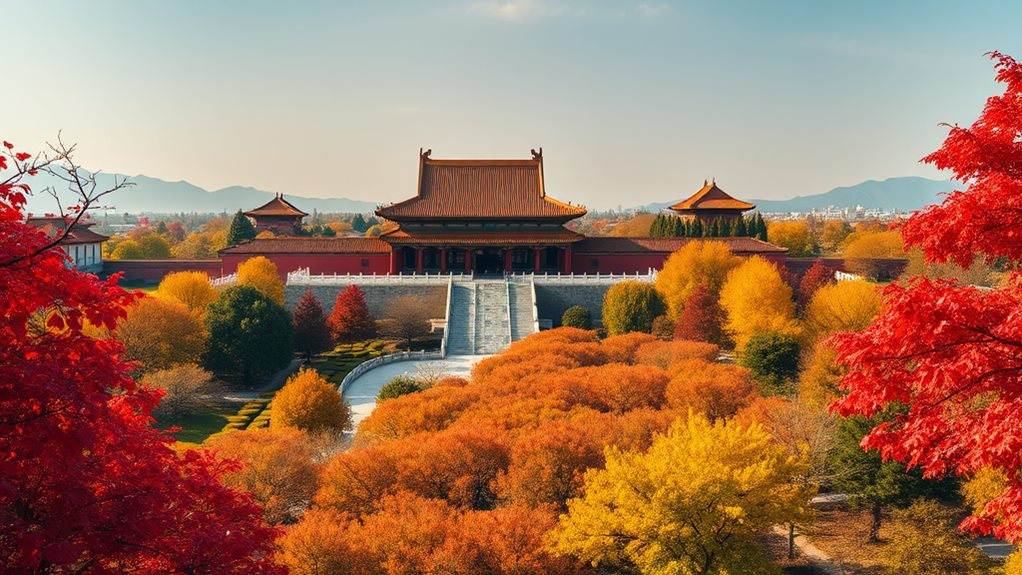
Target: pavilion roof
{"type": "Point", "coordinates": [711, 197]}
{"type": "Point", "coordinates": [481, 189]}
{"type": "Point", "coordinates": [617, 245]}
{"type": "Point", "coordinates": [501, 238]}
{"type": "Point", "coordinates": [278, 206]}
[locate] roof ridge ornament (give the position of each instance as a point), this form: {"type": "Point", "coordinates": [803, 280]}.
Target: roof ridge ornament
{"type": "Point", "coordinates": [537, 155]}
{"type": "Point", "coordinates": [425, 155]}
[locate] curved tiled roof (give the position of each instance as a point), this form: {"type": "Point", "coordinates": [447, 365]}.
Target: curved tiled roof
{"type": "Point", "coordinates": [710, 197]}
{"type": "Point", "coordinates": [614, 245]}
{"type": "Point", "coordinates": [502, 238]}
{"type": "Point", "coordinates": [299, 245]}
{"type": "Point", "coordinates": [278, 206]}
{"type": "Point", "coordinates": [79, 233]}
{"type": "Point", "coordinates": [481, 189]}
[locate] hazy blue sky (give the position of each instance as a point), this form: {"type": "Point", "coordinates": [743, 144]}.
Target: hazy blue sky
{"type": "Point", "coordinates": [632, 102]}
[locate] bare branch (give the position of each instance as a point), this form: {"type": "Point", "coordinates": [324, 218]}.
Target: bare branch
{"type": "Point", "coordinates": [84, 187]}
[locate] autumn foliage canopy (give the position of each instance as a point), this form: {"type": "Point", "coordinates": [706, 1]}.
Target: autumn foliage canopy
{"type": "Point", "coordinates": [952, 353]}
{"type": "Point", "coordinates": [87, 485]}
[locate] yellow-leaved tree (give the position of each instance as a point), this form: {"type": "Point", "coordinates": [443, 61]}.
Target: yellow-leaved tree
{"type": "Point", "coordinates": [842, 306]}
{"type": "Point", "coordinates": [819, 379]}
{"type": "Point", "coordinates": [693, 503]}
{"type": "Point", "coordinates": [310, 403]}
{"type": "Point", "coordinates": [190, 288]}
{"type": "Point", "coordinates": [699, 262]}
{"type": "Point", "coordinates": [161, 334]}
{"type": "Point", "coordinates": [796, 236]}
{"type": "Point", "coordinates": [755, 299]}
{"type": "Point", "coordinates": [262, 274]}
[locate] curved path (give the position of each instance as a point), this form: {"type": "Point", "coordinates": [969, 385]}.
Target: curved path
{"type": "Point", "coordinates": [361, 393]}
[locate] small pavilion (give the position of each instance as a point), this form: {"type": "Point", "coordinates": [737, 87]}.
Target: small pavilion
{"type": "Point", "coordinates": [482, 216]}
{"type": "Point", "coordinates": [278, 215]}
{"type": "Point", "coordinates": [710, 203]}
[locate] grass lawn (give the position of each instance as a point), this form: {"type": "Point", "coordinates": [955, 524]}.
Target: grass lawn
{"type": "Point", "coordinates": [196, 427]}
{"type": "Point", "coordinates": [139, 285]}
{"type": "Point", "coordinates": [333, 365]}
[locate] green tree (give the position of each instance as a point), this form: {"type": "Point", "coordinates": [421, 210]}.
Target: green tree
{"type": "Point", "coordinates": [400, 385]}
{"type": "Point", "coordinates": [249, 334]}
{"type": "Point", "coordinates": [694, 503]}
{"type": "Point", "coordinates": [871, 482]}
{"type": "Point", "coordinates": [631, 306]}
{"type": "Point", "coordinates": [773, 360]}
{"type": "Point", "coordinates": [577, 316]}
{"type": "Point", "coordinates": [241, 229]}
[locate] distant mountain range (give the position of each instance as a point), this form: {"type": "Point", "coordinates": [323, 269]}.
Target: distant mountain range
{"type": "Point", "coordinates": [904, 194]}
{"type": "Point", "coordinates": [152, 195]}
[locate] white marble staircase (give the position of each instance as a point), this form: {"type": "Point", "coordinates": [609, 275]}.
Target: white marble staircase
{"type": "Point", "coordinates": [488, 314]}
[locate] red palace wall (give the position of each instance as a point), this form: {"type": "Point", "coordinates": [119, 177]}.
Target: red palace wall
{"type": "Point", "coordinates": [633, 262]}
{"type": "Point", "coordinates": [317, 263]}
{"type": "Point", "coordinates": [155, 270]}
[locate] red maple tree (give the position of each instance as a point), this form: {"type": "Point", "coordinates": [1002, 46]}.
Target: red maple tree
{"type": "Point", "coordinates": [951, 355]}
{"type": "Point", "coordinates": [700, 319]}
{"type": "Point", "coordinates": [817, 276]}
{"type": "Point", "coordinates": [350, 319]}
{"type": "Point", "coordinates": [87, 484]}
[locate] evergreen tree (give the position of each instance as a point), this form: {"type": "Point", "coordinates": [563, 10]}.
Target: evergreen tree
{"type": "Point", "coordinates": [686, 228]}
{"type": "Point", "coordinates": [732, 230]}
{"type": "Point", "coordinates": [741, 230]}
{"type": "Point", "coordinates": [241, 230]}
{"type": "Point", "coordinates": [877, 483]}
{"type": "Point", "coordinates": [655, 227]}
{"type": "Point", "coordinates": [676, 229]}
{"type": "Point", "coordinates": [761, 227]}
{"type": "Point", "coordinates": [249, 334]}
{"type": "Point", "coordinates": [697, 228]}
{"type": "Point", "coordinates": [358, 224]}
{"type": "Point", "coordinates": [312, 335]}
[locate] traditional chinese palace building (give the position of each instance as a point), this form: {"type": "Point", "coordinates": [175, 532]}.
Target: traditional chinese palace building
{"type": "Point", "coordinates": [278, 215]}
{"type": "Point", "coordinates": [483, 217]}
{"type": "Point", "coordinates": [710, 203]}
{"type": "Point", "coordinates": [84, 247]}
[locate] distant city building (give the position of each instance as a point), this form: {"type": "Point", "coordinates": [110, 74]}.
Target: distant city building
{"type": "Point", "coordinates": [277, 215]}
{"type": "Point", "coordinates": [83, 246]}
{"type": "Point", "coordinates": [710, 203]}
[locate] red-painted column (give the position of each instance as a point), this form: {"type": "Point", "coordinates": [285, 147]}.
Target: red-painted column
{"type": "Point", "coordinates": [394, 268]}
{"type": "Point", "coordinates": [443, 260]}
{"type": "Point", "coordinates": [567, 259]}
{"type": "Point", "coordinates": [535, 259]}
{"type": "Point", "coordinates": [418, 260]}
{"type": "Point", "coordinates": [507, 260]}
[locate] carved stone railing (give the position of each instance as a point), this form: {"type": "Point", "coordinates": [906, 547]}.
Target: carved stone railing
{"type": "Point", "coordinates": [224, 281]}
{"type": "Point", "coordinates": [552, 278]}
{"type": "Point", "coordinates": [365, 366]}
{"type": "Point", "coordinates": [302, 277]}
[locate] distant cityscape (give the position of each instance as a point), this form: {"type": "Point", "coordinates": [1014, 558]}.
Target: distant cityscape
{"type": "Point", "coordinates": [848, 214]}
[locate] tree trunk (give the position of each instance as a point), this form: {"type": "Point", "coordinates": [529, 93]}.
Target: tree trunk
{"type": "Point", "coordinates": [874, 527]}
{"type": "Point", "coordinates": [791, 541]}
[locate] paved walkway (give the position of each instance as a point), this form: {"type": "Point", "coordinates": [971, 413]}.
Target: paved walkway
{"type": "Point", "coordinates": [361, 393]}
